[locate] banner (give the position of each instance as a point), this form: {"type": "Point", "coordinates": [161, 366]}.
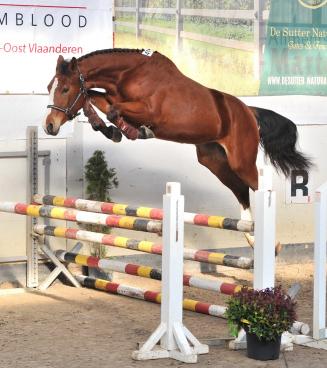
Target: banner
{"type": "Point", "coordinates": [295, 56]}
{"type": "Point", "coordinates": [34, 32]}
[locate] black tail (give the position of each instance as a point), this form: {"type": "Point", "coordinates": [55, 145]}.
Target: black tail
{"type": "Point", "coordinates": [278, 137]}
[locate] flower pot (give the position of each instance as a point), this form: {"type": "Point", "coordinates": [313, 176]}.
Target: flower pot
{"type": "Point", "coordinates": [261, 349]}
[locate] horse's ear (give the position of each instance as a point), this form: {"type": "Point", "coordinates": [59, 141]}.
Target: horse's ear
{"type": "Point", "coordinates": [60, 60]}
{"type": "Point", "coordinates": [50, 84]}
{"type": "Point", "coordinates": [73, 64]}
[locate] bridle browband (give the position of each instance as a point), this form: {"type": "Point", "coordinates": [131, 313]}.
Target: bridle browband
{"type": "Point", "coordinates": [68, 110]}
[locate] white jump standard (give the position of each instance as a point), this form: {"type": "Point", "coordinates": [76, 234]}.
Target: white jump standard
{"type": "Point", "coordinates": [176, 341]}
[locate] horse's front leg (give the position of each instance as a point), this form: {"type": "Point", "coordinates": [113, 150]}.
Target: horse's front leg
{"type": "Point", "coordinates": [107, 105]}
{"type": "Point", "coordinates": [138, 113]}
{"type": "Point", "coordinates": [98, 124]}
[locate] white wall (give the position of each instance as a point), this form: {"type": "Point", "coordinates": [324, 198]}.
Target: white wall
{"type": "Point", "coordinates": [18, 112]}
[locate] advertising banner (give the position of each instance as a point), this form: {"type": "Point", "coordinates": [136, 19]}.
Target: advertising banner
{"type": "Point", "coordinates": [295, 56]}
{"type": "Point", "coordinates": [33, 33]}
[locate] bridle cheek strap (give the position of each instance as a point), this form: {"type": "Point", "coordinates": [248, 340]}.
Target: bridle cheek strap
{"type": "Point", "coordinates": [68, 110]}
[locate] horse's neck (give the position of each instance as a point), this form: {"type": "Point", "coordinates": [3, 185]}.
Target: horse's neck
{"type": "Point", "coordinates": [103, 69]}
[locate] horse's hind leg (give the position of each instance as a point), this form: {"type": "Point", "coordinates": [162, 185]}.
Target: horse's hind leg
{"type": "Point", "coordinates": [242, 161]}
{"type": "Point", "coordinates": [213, 156]}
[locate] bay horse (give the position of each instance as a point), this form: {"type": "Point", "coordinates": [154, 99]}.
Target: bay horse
{"type": "Point", "coordinates": [145, 89]}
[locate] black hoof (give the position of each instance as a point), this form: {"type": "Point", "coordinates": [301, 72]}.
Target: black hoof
{"type": "Point", "coordinates": [145, 133]}
{"type": "Point", "coordinates": [112, 133]}
{"type": "Point", "coordinates": [116, 134]}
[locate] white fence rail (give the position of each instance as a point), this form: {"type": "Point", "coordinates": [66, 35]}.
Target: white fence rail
{"type": "Point", "coordinates": [257, 15]}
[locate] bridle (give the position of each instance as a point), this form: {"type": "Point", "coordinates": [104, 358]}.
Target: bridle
{"type": "Point", "coordinates": [68, 110]}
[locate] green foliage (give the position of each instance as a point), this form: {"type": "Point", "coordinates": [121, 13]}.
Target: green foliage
{"type": "Point", "coordinates": [196, 4]}
{"type": "Point", "coordinates": [266, 313]}
{"type": "Point", "coordinates": [100, 179]}
{"type": "Point", "coordinates": [222, 68]}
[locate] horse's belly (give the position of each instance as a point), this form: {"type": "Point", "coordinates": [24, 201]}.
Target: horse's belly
{"type": "Point", "coordinates": [192, 132]}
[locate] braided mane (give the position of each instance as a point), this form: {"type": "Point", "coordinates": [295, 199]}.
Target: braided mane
{"type": "Point", "coordinates": [64, 67]}
{"type": "Point", "coordinates": [109, 51]}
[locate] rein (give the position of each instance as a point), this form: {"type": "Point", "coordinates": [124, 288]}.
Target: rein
{"type": "Point", "coordinates": [68, 110]}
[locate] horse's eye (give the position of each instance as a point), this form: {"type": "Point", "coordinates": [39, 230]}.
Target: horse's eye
{"type": "Point", "coordinates": [65, 90]}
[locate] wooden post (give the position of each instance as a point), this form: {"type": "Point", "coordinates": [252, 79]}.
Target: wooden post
{"type": "Point", "coordinates": [137, 18]}
{"type": "Point", "coordinates": [259, 30]}
{"type": "Point", "coordinates": [179, 25]}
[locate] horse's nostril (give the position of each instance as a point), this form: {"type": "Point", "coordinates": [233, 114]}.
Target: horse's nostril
{"type": "Point", "coordinates": [50, 128]}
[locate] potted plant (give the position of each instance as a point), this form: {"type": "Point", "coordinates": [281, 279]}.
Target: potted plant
{"type": "Point", "coordinates": [264, 315]}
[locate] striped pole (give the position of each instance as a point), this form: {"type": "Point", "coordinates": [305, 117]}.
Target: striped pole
{"type": "Point", "coordinates": [218, 222]}
{"type": "Point", "coordinates": [155, 297]}
{"type": "Point", "coordinates": [145, 271]}
{"type": "Point", "coordinates": [143, 246]}
{"type": "Point", "coordinates": [148, 295]}
{"type": "Point", "coordinates": [125, 222]}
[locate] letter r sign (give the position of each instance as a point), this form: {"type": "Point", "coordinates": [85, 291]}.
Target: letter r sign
{"type": "Point", "coordinates": [298, 188]}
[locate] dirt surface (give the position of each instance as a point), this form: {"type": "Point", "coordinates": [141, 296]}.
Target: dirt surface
{"type": "Point", "coordinates": [69, 327]}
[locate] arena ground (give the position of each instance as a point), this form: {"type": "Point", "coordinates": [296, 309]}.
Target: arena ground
{"type": "Point", "coordinates": [77, 328]}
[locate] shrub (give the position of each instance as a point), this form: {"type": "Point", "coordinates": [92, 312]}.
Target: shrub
{"type": "Point", "coordinates": [266, 313]}
{"type": "Point", "coordinates": [100, 179]}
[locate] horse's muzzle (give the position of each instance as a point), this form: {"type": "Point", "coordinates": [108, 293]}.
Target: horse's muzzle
{"type": "Point", "coordinates": [50, 129]}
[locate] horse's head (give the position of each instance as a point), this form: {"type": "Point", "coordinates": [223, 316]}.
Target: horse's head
{"type": "Point", "coordinates": [67, 95]}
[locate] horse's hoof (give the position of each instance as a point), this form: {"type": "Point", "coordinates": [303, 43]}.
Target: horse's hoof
{"type": "Point", "coordinates": [145, 133]}
{"type": "Point", "coordinates": [113, 134]}
{"type": "Point", "coordinates": [116, 135]}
